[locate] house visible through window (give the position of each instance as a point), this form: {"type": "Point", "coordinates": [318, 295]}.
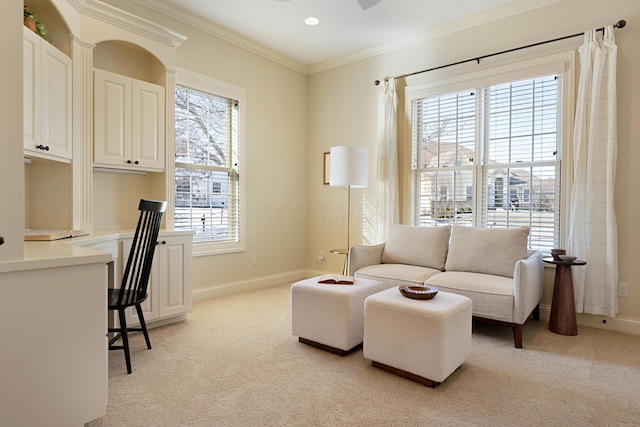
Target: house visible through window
{"type": "Point", "coordinates": [206, 165]}
{"type": "Point", "coordinates": [489, 156]}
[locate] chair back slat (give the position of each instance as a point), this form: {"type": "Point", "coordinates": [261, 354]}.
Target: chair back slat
{"type": "Point", "coordinates": [135, 278]}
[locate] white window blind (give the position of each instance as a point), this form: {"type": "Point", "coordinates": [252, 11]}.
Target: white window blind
{"type": "Point", "coordinates": [206, 165]}
{"type": "Point", "coordinates": [490, 156]}
{"type": "Point", "coordinates": [444, 155]}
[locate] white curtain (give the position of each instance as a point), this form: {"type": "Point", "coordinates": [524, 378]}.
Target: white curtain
{"type": "Point", "coordinates": [592, 229]}
{"type": "Point", "coordinates": [387, 176]}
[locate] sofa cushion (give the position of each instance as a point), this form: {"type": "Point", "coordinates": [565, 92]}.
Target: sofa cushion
{"type": "Point", "coordinates": [421, 246]}
{"type": "Point", "coordinates": [486, 250]}
{"type": "Point", "coordinates": [492, 296]}
{"type": "Point", "coordinates": [391, 275]}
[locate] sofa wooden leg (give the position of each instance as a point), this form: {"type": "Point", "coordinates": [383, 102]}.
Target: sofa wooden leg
{"type": "Point", "coordinates": [517, 335]}
{"type": "Point", "coordinates": [517, 328]}
{"type": "Point", "coordinates": [536, 313]}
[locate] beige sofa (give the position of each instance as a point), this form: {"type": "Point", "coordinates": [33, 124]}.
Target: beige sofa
{"type": "Point", "coordinates": [491, 266]}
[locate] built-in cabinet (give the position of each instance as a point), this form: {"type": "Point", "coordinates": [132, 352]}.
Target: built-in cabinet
{"type": "Point", "coordinates": [47, 104]}
{"type": "Point", "coordinates": [67, 383]}
{"type": "Point", "coordinates": [128, 123]}
{"type": "Point", "coordinates": [170, 282]}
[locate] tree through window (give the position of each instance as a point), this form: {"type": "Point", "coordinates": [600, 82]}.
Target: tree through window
{"type": "Point", "coordinates": [206, 165]}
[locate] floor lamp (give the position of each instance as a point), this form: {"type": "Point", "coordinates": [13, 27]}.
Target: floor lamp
{"type": "Point", "coordinates": [348, 168]}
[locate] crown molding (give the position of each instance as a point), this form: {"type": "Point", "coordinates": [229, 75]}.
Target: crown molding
{"type": "Point", "coordinates": [127, 21]}
{"type": "Point", "coordinates": [225, 34]}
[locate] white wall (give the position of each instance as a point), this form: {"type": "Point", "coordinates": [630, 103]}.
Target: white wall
{"type": "Point", "coordinates": [343, 100]}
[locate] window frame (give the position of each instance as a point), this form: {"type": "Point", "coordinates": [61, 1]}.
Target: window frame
{"type": "Point", "coordinates": [561, 63]}
{"type": "Point", "coordinates": [215, 87]}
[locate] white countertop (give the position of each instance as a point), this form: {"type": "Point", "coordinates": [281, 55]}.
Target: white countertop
{"type": "Point", "coordinates": [53, 254]}
{"type": "Point", "coordinates": [67, 252]}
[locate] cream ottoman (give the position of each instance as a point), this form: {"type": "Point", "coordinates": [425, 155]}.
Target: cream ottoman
{"type": "Point", "coordinates": [330, 317]}
{"type": "Point", "coordinates": [423, 340]}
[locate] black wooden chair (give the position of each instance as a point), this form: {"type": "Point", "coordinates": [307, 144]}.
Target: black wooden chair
{"type": "Point", "coordinates": [133, 289]}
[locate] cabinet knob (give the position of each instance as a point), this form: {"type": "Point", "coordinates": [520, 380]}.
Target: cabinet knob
{"type": "Point", "coordinates": [128, 162]}
{"type": "Point", "coordinates": [42, 147]}
{"type": "Point", "coordinates": [136, 162]}
{"type": "Point", "coordinates": [164, 242]}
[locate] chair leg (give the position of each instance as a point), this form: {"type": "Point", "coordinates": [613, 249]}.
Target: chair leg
{"type": "Point", "coordinates": [143, 325]}
{"type": "Point", "coordinates": [125, 338]}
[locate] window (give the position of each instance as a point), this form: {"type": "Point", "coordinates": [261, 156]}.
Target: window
{"type": "Point", "coordinates": [207, 162]}
{"type": "Point", "coordinates": [489, 153]}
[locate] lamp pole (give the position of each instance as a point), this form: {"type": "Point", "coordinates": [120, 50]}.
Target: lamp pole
{"type": "Point", "coordinates": [348, 218]}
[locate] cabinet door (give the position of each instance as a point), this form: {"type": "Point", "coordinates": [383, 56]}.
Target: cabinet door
{"type": "Point", "coordinates": [31, 86]}
{"type": "Point", "coordinates": [169, 286]}
{"type": "Point", "coordinates": [148, 125]}
{"type": "Point", "coordinates": [47, 98]}
{"type": "Point", "coordinates": [55, 101]}
{"type": "Point", "coordinates": [112, 119]}
{"type": "Point", "coordinates": [174, 275]}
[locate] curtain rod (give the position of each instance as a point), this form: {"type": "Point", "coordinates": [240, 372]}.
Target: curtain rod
{"type": "Point", "coordinates": [620, 24]}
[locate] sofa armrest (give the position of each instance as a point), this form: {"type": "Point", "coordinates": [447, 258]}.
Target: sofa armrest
{"type": "Point", "coordinates": [528, 281]}
{"type": "Point", "coordinates": [361, 256]}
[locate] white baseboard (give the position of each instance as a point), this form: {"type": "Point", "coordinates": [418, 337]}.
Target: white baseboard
{"type": "Point", "coordinates": [627, 325]}
{"type": "Point", "coordinates": [247, 285]}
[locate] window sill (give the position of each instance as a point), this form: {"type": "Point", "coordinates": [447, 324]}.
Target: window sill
{"type": "Point", "coordinates": [206, 249]}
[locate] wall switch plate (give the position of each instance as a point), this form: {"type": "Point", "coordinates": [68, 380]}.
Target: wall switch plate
{"type": "Point", "coordinates": [254, 259]}
{"type": "Point", "coordinates": [623, 289]}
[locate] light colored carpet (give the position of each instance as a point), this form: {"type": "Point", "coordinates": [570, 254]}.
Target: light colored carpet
{"type": "Point", "coordinates": [234, 362]}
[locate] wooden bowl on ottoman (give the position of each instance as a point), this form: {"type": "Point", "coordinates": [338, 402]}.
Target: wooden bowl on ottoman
{"type": "Point", "coordinates": [418, 292]}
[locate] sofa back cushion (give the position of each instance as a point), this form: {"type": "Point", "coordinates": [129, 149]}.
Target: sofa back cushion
{"type": "Point", "coordinates": [422, 246]}
{"type": "Point", "coordinates": [486, 250]}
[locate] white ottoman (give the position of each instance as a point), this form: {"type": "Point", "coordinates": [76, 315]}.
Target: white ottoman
{"type": "Point", "coordinates": [330, 317]}
{"type": "Point", "coordinates": [423, 340]}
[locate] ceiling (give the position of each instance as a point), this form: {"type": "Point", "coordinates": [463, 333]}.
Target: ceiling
{"type": "Point", "coordinates": [345, 29]}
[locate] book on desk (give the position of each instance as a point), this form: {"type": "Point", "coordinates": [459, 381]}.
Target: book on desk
{"type": "Point", "coordinates": [50, 235]}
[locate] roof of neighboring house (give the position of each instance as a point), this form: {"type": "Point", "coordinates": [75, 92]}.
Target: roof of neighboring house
{"type": "Point", "coordinates": [451, 153]}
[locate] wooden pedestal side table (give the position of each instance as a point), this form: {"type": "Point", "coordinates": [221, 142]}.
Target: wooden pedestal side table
{"type": "Point", "coordinates": [563, 306]}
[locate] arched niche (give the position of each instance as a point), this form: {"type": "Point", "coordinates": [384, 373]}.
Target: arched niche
{"type": "Point", "coordinates": [130, 60]}
{"type": "Point", "coordinates": [55, 22]}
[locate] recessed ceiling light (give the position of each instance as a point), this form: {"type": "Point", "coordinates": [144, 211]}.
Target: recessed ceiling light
{"type": "Point", "coordinates": [312, 20]}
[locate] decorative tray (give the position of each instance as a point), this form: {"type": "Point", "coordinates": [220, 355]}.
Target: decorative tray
{"type": "Point", "coordinates": [418, 292]}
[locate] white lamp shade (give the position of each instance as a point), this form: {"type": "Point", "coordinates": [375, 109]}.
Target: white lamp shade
{"type": "Point", "coordinates": [348, 167]}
